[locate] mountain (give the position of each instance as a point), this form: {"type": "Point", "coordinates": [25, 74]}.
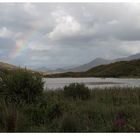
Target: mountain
{"type": "Point", "coordinates": [94, 63]}
{"type": "Point", "coordinates": [132, 57]}
{"type": "Point", "coordinates": [57, 70]}
{"type": "Point", "coordinates": [7, 66]}
{"type": "Point", "coordinates": [43, 69]}
{"type": "Point", "coordinates": [116, 69]}
{"type": "Point", "coordinates": [101, 61]}
{"type": "Point", "coordinates": [87, 66]}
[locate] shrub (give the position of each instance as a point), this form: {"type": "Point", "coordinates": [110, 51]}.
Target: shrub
{"type": "Point", "coordinates": [8, 117]}
{"type": "Point", "coordinates": [54, 111]}
{"type": "Point", "coordinates": [53, 104]}
{"type": "Point", "coordinates": [76, 90]}
{"type": "Point", "coordinates": [1, 81]}
{"type": "Point", "coordinates": [70, 123]}
{"type": "Point", "coordinates": [22, 85]}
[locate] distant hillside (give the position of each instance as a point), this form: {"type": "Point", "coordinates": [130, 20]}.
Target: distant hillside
{"type": "Point", "coordinates": [94, 63]}
{"type": "Point", "coordinates": [6, 66]}
{"type": "Point", "coordinates": [131, 57]}
{"type": "Point", "coordinates": [81, 68]}
{"type": "Point", "coordinates": [87, 66]}
{"type": "Point", "coordinates": [116, 69]}
{"type": "Point", "coordinates": [101, 61]}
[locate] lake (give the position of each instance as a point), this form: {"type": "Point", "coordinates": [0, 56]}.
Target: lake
{"type": "Point", "coordinates": [54, 83]}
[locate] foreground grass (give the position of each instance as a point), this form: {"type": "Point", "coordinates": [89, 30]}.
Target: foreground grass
{"type": "Point", "coordinates": [107, 110]}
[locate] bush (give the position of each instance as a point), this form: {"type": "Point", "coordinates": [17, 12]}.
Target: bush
{"type": "Point", "coordinates": [70, 123]}
{"type": "Point", "coordinates": [8, 117]}
{"type": "Point", "coordinates": [22, 85]}
{"type": "Point", "coordinates": [76, 90]}
{"type": "Point", "coordinates": [54, 111]}
{"type": "Point", "coordinates": [1, 81]}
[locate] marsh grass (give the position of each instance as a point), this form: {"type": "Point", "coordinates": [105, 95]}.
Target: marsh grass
{"type": "Point", "coordinates": [105, 110]}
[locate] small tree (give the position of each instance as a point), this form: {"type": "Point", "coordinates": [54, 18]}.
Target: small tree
{"type": "Point", "coordinates": [76, 90]}
{"type": "Point", "coordinates": [22, 85]}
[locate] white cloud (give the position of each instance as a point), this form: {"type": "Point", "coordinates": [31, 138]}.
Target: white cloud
{"type": "Point", "coordinates": [5, 33]}
{"type": "Point", "coordinates": [132, 47]}
{"type": "Point", "coordinates": [112, 22]}
{"type": "Point", "coordinates": [18, 35]}
{"type": "Point", "coordinates": [30, 9]}
{"type": "Point", "coordinates": [66, 26]}
{"type": "Point", "coordinates": [38, 46]}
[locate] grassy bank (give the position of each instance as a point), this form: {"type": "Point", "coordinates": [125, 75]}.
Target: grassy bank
{"type": "Point", "coordinates": [107, 110]}
{"type": "Point", "coordinates": [26, 107]}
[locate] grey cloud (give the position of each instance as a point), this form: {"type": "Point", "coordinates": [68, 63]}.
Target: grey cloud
{"type": "Point", "coordinates": [60, 34]}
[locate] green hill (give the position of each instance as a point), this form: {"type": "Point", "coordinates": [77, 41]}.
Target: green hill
{"type": "Point", "coordinates": [5, 67]}
{"type": "Point", "coordinates": [8, 68]}
{"type": "Point", "coordinates": [117, 69]}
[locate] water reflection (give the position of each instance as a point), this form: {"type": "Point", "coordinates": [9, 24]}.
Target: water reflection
{"type": "Point", "coordinates": [54, 83]}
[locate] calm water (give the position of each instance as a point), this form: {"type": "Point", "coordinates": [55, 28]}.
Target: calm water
{"type": "Point", "coordinates": [54, 83]}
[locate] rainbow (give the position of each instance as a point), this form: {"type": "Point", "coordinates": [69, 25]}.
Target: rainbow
{"type": "Point", "coordinates": [23, 44]}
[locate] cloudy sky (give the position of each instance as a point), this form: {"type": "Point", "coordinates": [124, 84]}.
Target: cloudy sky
{"type": "Point", "coordinates": [61, 35]}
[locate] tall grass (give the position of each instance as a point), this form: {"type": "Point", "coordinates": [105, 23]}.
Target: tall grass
{"type": "Point", "coordinates": [105, 110]}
